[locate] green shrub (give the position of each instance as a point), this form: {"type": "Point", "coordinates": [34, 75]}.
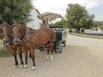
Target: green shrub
{"type": "Point", "coordinates": [5, 52]}
{"type": "Point", "coordinates": [70, 31]}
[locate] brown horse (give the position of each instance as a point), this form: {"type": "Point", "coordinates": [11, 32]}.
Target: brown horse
{"type": "Point", "coordinates": [8, 40]}
{"type": "Point", "coordinates": [51, 34]}
{"type": "Point", "coordinates": [30, 42]}
{"type": "Point", "coordinates": [52, 38]}
{"type": "Point", "coordinates": [1, 34]}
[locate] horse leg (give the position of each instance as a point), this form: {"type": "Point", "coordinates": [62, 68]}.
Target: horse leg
{"type": "Point", "coordinates": [54, 47]}
{"type": "Point", "coordinates": [33, 58]}
{"type": "Point", "coordinates": [51, 49]}
{"type": "Point", "coordinates": [16, 62]}
{"type": "Point", "coordinates": [26, 59]}
{"type": "Point", "coordinates": [22, 63]}
{"type": "Point", "coordinates": [30, 55]}
{"type": "Point", "coordinates": [15, 56]}
{"type": "Point", "coordinates": [52, 57]}
{"type": "Point", "coordinates": [48, 51]}
{"type": "Point", "coordinates": [20, 55]}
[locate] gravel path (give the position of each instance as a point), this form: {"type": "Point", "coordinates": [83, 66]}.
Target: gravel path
{"type": "Point", "coordinates": [83, 57]}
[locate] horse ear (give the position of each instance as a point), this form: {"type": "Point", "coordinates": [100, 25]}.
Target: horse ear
{"type": "Point", "coordinates": [15, 24]}
{"type": "Point", "coordinates": [11, 26]}
{"type": "Point", "coordinates": [1, 27]}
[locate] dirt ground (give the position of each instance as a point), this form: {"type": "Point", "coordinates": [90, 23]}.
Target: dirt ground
{"type": "Point", "coordinates": [83, 57]}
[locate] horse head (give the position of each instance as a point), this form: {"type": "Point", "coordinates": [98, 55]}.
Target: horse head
{"type": "Point", "coordinates": [1, 33]}
{"type": "Point", "coordinates": [6, 32]}
{"type": "Point", "coordinates": [18, 33]}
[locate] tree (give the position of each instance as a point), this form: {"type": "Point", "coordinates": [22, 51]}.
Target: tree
{"type": "Point", "coordinates": [15, 11]}
{"type": "Point", "coordinates": [78, 17]}
{"type": "Point", "coordinates": [59, 23]}
{"type": "Point", "coordinates": [87, 22]}
{"type": "Point", "coordinates": [99, 24]}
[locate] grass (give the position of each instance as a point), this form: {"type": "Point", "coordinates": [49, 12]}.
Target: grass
{"type": "Point", "coordinates": [87, 36]}
{"type": "Point", "coordinates": [3, 51]}
{"type": "Point", "coordinates": [101, 27]}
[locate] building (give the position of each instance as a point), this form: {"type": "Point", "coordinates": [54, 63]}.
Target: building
{"type": "Point", "coordinates": [34, 22]}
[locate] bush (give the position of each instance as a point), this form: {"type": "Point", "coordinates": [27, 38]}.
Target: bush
{"type": "Point", "coordinates": [70, 31]}
{"type": "Point", "coordinates": [5, 52]}
{"type": "Point", "coordinates": [82, 30]}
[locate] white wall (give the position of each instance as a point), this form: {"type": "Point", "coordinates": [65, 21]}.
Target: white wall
{"type": "Point", "coordinates": [35, 22]}
{"type": "Point", "coordinates": [93, 31]}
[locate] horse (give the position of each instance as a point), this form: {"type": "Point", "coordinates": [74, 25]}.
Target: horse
{"type": "Point", "coordinates": [52, 36]}
{"type": "Point", "coordinates": [29, 42]}
{"type": "Point", "coordinates": [8, 40]}
{"type": "Point", "coordinates": [1, 34]}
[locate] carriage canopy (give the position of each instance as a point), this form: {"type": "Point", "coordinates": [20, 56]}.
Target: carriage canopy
{"type": "Point", "coordinates": [49, 16]}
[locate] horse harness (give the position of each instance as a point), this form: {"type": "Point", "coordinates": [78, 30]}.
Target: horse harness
{"type": "Point", "coordinates": [10, 41]}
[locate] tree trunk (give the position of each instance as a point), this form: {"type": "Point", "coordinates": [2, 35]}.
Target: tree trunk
{"type": "Point", "coordinates": [78, 30]}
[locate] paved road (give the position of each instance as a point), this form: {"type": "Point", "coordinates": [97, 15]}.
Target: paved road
{"type": "Point", "coordinates": [83, 57]}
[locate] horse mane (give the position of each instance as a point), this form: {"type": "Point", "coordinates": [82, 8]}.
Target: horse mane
{"type": "Point", "coordinates": [7, 26]}
{"type": "Point", "coordinates": [21, 28]}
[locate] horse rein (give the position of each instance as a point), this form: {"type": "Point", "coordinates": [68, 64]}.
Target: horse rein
{"type": "Point", "coordinates": [1, 34]}
{"type": "Point", "coordinates": [23, 38]}
{"type": "Point", "coordinates": [8, 42]}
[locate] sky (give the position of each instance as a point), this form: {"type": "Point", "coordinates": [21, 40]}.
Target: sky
{"type": "Point", "coordinates": [59, 6]}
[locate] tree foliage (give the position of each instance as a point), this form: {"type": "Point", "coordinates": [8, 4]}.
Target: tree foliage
{"type": "Point", "coordinates": [78, 17]}
{"type": "Point", "coordinates": [60, 23]}
{"type": "Point", "coordinates": [99, 24]}
{"type": "Point", "coordinates": [14, 10]}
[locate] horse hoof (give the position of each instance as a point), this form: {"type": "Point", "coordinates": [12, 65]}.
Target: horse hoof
{"type": "Point", "coordinates": [16, 66]}
{"type": "Point", "coordinates": [47, 57]}
{"type": "Point", "coordinates": [33, 68]}
{"type": "Point", "coordinates": [51, 58]}
{"type": "Point", "coordinates": [22, 66]}
{"type": "Point", "coordinates": [25, 66]}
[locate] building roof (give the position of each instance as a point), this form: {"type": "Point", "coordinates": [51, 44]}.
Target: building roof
{"type": "Point", "coordinates": [37, 10]}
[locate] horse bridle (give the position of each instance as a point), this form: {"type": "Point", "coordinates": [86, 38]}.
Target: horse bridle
{"type": "Point", "coordinates": [1, 33]}
{"type": "Point", "coordinates": [22, 37]}
{"type": "Point", "coordinates": [25, 36]}
{"type": "Point", "coordinates": [10, 41]}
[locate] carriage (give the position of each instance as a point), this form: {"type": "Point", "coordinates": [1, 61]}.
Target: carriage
{"type": "Point", "coordinates": [20, 41]}
{"type": "Point", "coordinates": [61, 34]}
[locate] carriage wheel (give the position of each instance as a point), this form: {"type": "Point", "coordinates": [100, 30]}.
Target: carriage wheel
{"type": "Point", "coordinates": [64, 43]}
{"type": "Point", "coordinates": [60, 48]}
{"type": "Point", "coordinates": [41, 49]}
